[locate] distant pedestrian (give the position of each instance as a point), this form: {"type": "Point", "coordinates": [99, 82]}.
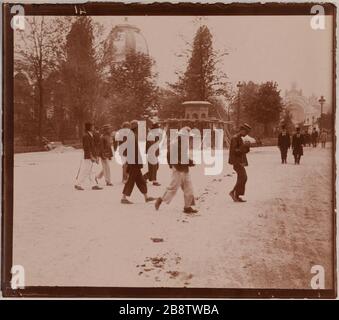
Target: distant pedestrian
{"type": "Point", "coordinates": [106, 155]}
{"type": "Point", "coordinates": [284, 143]}
{"type": "Point", "coordinates": [297, 146]}
{"type": "Point", "coordinates": [307, 138]}
{"type": "Point", "coordinates": [314, 137]}
{"type": "Point", "coordinates": [134, 165]}
{"type": "Point", "coordinates": [90, 157]}
{"type": "Point", "coordinates": [179, 162]}
{"type": "Point", "coordinates": [237, 158]}
{"type": "Point", "coordinates": [323, 138]}
{"type": "Point", "coordinates": [125, 125]}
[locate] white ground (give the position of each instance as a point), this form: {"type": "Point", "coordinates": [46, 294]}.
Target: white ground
{"type": "Point", "coordinates": [65, 237]}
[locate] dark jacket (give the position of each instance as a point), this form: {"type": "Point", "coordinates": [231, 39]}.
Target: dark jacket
{"type": "Point", "coordinates": [297, 144]}
{"type": "Point", "coordinates": [149, 143]}
{"type": "Point", "coordinates": [314, 135]}
{"type": "Point", "coordinates": [97, 143]}
{"type": "Point", "coordinates": [122, 153]}
{"type": "Point", "coordinates": [183, 162]}
{"type": "Point", "coordinates": [307, 138]}
{"type": "Point", "coordinates": [106, 147]}
{"type": "Point", "coordinates": [284, 141]}
{"type": "Point", "coordinates": [238, 151]}
{"type": "Point", "coordinates": [88, 146]}
{"type": "Point", "coordinates": [135, 162]}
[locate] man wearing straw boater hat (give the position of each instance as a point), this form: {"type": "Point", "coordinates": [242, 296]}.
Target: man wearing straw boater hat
{"type": "Point", "coordinates": [105, 154]}
{"type": "Point", "coordinates": [237, 158]}
{"type": "Point", "coordinates": [179, 162]}
{"type": "Point", "coordinates": [134, 165]}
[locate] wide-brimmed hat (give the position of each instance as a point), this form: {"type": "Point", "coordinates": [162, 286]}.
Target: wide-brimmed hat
{"type": "Point", "coordinates": [245, 126]}
{"type": "Point", "coordinates": [126, 124]}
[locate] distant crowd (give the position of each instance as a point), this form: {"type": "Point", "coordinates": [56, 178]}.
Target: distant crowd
{"type": "Point", "coordinates": [299, 140]}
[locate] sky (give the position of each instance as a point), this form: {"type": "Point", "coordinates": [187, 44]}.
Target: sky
{"type": "Point", "coordinates": [284, 49]}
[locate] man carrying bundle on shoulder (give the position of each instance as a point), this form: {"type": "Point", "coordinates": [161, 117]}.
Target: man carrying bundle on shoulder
{"type": "Point", "coordinates": [238, 158]}
{"type": "Point", "coordinates": [179, 161]}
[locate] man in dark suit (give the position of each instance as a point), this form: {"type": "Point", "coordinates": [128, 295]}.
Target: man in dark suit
{"type": "Point", "coordinates": [284, 143]}
{"type": "Point", "coordinates": [90, 157]}
{"type": "Point", "coordinates": [237, 158]}
{"type": "Point", "coordinates": [297, 146]}
{"type": "Point", "coordinates": [314, 137]}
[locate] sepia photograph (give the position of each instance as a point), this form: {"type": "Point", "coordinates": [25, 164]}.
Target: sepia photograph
{"type": "Point", "coordinates": [186, 148]}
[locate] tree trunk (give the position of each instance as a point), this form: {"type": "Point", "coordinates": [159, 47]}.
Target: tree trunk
{"type": "Point", "coordinates": [41, 110]}
{"type": "Point", "coordinates": [266, 129]}
{"type": "Point", "coordinates": [80, 128]}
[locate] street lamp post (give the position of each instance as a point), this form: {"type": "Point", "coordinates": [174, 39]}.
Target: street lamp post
{"type": "Point", "coordinates": [239, 85]}
{"type": "Point", "coordinates": [321, 101]}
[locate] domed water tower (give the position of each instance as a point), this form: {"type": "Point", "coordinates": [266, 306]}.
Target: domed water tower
{"type": "Point", "coordinates": [124, 39]}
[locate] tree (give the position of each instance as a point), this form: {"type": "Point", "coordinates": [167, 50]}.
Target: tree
{"type": "Point", "coordinates": [326, 121]}
{"type": "Point", "coordinates": [267, 106]}
{"type": "Point", "coordinates": [170, 104]}
{"type": "Point", "coordinates": [39, 51]}
{"type": "Point", "coordinates": [248, 97]}
{"type": "Point", "coordinates": [80, 72]}
{"type": "Point", "coordinates": [131, 88]}
{"type": "Point", "coordinates": [58, 125]}
{"type": "Point", "coordinates": [287, 120]}
{"type": "Point", "coordinates": [201, 80]}
{"type": "Point", "coordinates": [25, 129]}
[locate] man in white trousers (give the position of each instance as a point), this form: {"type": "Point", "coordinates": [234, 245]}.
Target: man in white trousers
{"type": "Point", "coordinates": [90, 157]}
{"type": "Point", "coordinates": [179, 162]}
{"type": "Point", "coordinates": [106, 155]}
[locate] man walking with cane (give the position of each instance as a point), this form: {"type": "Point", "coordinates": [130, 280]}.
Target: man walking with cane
{"type": "Point", "coordinates": [90, 157]}
{"type": "Point", "coordinates": [237, 158]}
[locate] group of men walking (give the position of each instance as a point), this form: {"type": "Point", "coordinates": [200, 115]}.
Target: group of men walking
{"type": "Point", "coordinates": [299, 140]}
{"type": "Point", "coordinates": [98, 147]}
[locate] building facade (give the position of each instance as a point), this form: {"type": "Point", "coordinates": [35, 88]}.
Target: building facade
{"type": "Point", "coordinates": [304, 110]}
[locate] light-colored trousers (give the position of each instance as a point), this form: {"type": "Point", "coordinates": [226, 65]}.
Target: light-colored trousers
{"type": "Point", "coordinates": [106, 170]}
{"type": "Point", "coordinates": [183, 180]}
{"type": "Point", "coordinates": [85, 172]}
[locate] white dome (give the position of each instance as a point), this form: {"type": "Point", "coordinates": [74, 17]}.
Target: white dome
{"type": "Point", "coordinates": [125, 38]}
